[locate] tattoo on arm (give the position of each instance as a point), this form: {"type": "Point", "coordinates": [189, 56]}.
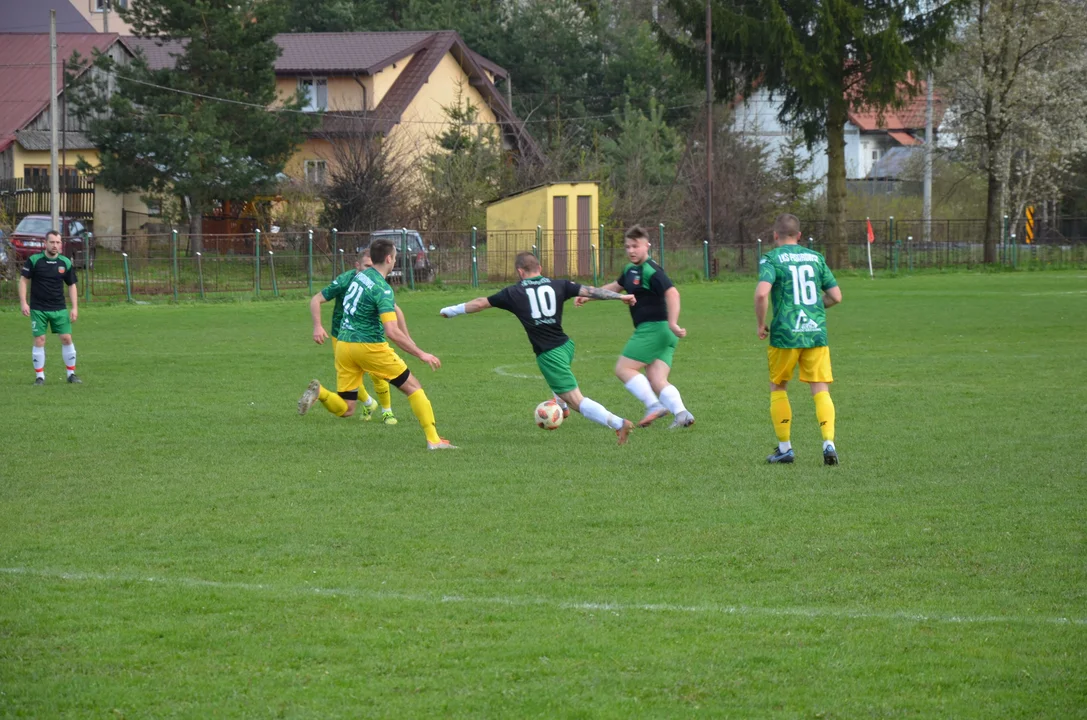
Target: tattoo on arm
{"type": "Point", "coordinates": [598, 293]}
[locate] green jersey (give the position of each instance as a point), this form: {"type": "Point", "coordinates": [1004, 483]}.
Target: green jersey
{"type": "Point", "coordinates": [367, 298]}
{"type": "Point", "coordinates": [799, 276]}
{"type": "Point", "coordinates": [335, 291]}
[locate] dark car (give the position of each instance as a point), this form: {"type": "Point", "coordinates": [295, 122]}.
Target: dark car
{"type": "Point", "coordinates": [29, 238]}
{"type": "Point", "coordinates": [418, 260]}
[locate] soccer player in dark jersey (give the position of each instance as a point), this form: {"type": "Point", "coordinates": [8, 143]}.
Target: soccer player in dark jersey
{"type": "Point", "coordinates": [656, 333]}
{"type": "Point", "coordinates": [537, 302]}
{"type": "Point", "coordinates": [802, 287]}
{"type": "Point", "coordinates": [49, 272]}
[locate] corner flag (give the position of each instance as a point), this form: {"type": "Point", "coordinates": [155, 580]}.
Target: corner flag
{"type": "Point", "coordinates": [871, 235]}
{"type": "Point", "coordinates": [868, 247]}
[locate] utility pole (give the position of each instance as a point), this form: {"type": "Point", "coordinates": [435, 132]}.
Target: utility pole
{"type": "Point", "coordinates": [105, 16]}
{"type": "Point", "coordinates": [54, 176]}
{"type": "Point", "coordinates": [709, 123]}
{"type": "Point", "coordinates": [926, 202]}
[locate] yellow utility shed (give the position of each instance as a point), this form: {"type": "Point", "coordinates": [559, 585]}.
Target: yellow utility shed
{"type": "Point", "coordinates": [567, 214]}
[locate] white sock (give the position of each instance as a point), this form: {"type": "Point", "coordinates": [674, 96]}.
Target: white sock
{"type": "Point", "coordinates": [560, 402]}
{"type": "Point", "coordinates": [38, 355]}
{"type": "Point", "coordinates": [640, 388]}
{"type": "Point", "coordinates": [599, 414]}
{"type": "Point", "coordinates": [785, 446]}
{"type": "Point", "coordinates": [68, 352]}
{"type": "Point", "coordinates": [671, 400]}
{"type": "Point", "coordinates": [828, 444]}
{"type": "Point", "coordinates": [370, 402]}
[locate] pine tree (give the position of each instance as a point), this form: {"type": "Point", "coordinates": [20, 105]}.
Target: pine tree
{"type": "Point", "coordinates": [820, 57]}
{"type": "Point", "coordinates": [201, 130]}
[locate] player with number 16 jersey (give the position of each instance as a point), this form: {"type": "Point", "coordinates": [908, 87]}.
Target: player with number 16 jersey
{"type": "Point", "coordinates": [801, 286]}
{"type": "Point", "coordinates": [537, 302]}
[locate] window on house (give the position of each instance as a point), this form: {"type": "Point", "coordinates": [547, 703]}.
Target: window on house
{"type": "Point", "coordinates": [38, 175]}
{"type": "Point", "coordinates": [100, 5]}
{"type": "Point", "coordinates": [875, 154]}
{"type": "Point", "coordinates": [315, 171]}
{"type": "Point", "coordinates": [315, 91]}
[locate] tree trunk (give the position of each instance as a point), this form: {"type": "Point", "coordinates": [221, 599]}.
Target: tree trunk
{"type": "Point", "coordinates": [195, 209]}
{"type": "Point", "coordinates": [994, 201]}
{"type": "Point", "coordinates": [837, 247]}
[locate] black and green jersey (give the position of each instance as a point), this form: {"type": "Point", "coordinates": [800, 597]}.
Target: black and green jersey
{"type": "Point", "coordinates": [648, 283]}
{"type": "Point", "coordinates": [800, 277]}
{"type": "Point", "coordinates": [366, 300]}
{"type": "Point", "coordinates": [537, 302]}
{"type": "Point", "coordinates": [48, 276]}
{"type": "Point", "coordinates": [335, 291]}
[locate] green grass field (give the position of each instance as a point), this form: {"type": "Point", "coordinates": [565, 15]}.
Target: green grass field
{"type": "Point", "coordinates": [175, 541]}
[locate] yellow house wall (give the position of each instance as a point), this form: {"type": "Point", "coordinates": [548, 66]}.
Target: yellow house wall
{"type": "Point", "coordinates": [383, 79]}
{"type": "Point", "coordinates": [511, 228]}
{"type": "Point", "coordinates": [344, 94]}
{"type": "Point", "coordinates": [424, 117]}
{"type": "Point", "coordinates": [22, 158]}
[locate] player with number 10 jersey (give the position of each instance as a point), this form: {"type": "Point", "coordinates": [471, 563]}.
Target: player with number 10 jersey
{"type": "Point", "coordinates": [537, 302]}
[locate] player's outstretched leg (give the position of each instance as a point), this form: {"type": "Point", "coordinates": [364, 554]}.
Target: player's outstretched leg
{"type": "Point", "coordinates": [314, 392]}
{"type": "Point", "coordinates": [629, 371]}
{"type": "Point", "coordinates": [824, 412]}
{"type": "Point", "coordinates": [781, 412]}
{"type": "Point", "coordinates": [562, 404]}
{"type": "Point", "coordinates": [424, 412]}
{"type": "Point", "coordinates": [599, 414]}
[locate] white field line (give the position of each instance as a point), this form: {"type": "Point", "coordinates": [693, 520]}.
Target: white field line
{"type": "Point", "coordinates": [615, 607]}
{"type": "Point", "coordinates": [502, 370]}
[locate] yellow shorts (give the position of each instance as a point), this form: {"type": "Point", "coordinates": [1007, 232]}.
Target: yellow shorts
{"type": "Point", "coordinates": [814, 364]}
{"type": "Point", "coordinates": [353, 360]}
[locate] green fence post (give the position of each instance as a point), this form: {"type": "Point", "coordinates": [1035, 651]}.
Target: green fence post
{"type": "Point", "coordinates": [759, 246]}
{"type": "Point", "coordinates": [128, 282]}
{"type": "Point", "coordinates": [200, 273]}
{"type": "Point", "coordinates": [335, 251]}
{"type": "Point", "coordinates": [909, 252]}
{"type": "Point", "coordinates": [272, 265]}
{"type": "Point", "coordinates": [895, 252]}
{"type": "Point", "coordinates": [409, 273]}
{"type": "Point", "coordinates": [1015, 251]}
{"type": "Point", "coordinates": [592, 263]}
{"type": "Point", "coordinates": [173, 252]}
{"type": "Point", "coordinates": [600, 252]}
{"type": "Point", "coordinates": [661, 235]}
{"type": "Point", "coordinates": [706, 259]}
{"type": "Point", "coordinates": [475, 264]}
{"type": "Point", "coordinates": [309, 262]}
{"type": "Point", "coordinates": [87, 264]}
{"type": "Point", "coordinates": [1004, 241]}
{"type": "Point", "coordinates": [256, 258]}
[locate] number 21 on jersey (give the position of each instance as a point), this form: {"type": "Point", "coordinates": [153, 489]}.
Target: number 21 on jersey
{"type": "Point", "coordinates": [804, 290]}
{"type": "Point", "coordinates": [542, 300]}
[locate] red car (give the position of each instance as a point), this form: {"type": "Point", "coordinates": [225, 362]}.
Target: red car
{"type": "Point", "coordinates": [28, 238]}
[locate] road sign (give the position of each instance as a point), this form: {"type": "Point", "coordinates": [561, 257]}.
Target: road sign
{"type": "Point", "coordinates": [1030, 224]}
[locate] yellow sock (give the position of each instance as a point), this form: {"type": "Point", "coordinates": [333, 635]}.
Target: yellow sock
{"type": "Point", "coordinates": [424, 413]}
{"type": "Point", "coordinates": [782, 414]}
{"type": "Point", "coordinates": [824, 412]}
{"type": "Point", "coordinates": [364, 397]}
{"type": "Point", "coordinates": [384, 395]}
{"type": "Point", "coordinates": [332, 402]}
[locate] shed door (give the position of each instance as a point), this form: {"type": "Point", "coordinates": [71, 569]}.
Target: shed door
{"type": "Point", "coordinates": [559, 266]}
{"type": "Point", "coordinates": [584, 233]}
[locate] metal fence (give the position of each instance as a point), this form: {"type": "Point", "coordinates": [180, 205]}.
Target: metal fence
{"type": "Point", "coordinates": [264, 264]}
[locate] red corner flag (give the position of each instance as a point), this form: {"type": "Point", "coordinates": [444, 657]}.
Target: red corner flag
{"type": "Point", "coordinates": [871, 235]}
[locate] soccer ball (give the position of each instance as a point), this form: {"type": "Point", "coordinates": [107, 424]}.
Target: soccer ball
{"type": "Point", "coordinates": [548, 415]}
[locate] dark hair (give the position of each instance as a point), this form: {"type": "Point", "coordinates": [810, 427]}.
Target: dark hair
{"type": "Point", "coordinates": [380, 250]}
{"type": "Point", "coordinates": [527, 261]}
{"type": "Point", "coordinates": [787, 225]}
{"type": "Point", "coordinates": [53, 232]}
{"type": "Point", "coordinates": [637, 233]}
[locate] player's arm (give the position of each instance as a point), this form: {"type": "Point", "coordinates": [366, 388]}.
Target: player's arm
{"type": "Point", "coordinates": [762, 307]}
{"type": "Point", "coordinates": [832, 296]}
{"type": "Point", "coordinates": [404, 341]}
{"type": "Point", "coordinates": [612, 287]}
{"type": "Point", "coordinates": [594, 293]}
{"type": "Point", "coordinates": [73, 296]}
{"type": "Point", "coordinates": [671, 301]}
{"type": "Point", "coordinates": [472, 306]}
{"type": "Point", "coordinates": [319, 334]}
{"type": "Point", "coordinates": [22, 296]}
{"type": "Point", "coordinates": [401, 320]}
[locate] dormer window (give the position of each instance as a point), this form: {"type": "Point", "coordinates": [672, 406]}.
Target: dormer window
{"type": "Point", "coordinates": [315, 91]}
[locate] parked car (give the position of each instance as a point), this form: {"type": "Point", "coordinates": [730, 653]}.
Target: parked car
{"type": "Point", "coordinates": [418, 257]}
{"type": "Point", "coordinates": [29, 238]}
{"type": "Point", "coordinates": [7, 258]}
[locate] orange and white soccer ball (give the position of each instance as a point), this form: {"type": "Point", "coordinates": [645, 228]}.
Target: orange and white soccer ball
{"type": "Point", "coordinates": [548, 415]}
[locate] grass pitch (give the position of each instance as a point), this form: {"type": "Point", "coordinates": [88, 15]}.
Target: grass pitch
{"type": "Point", "coordinates": [176, 541]}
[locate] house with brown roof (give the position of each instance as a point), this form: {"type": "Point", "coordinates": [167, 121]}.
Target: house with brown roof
{"type": "Point", "coordinates": [391, 85]}
{"type": "Point", "coordinates": [25, 128]}
{"type": "Point", "coordinates": [868, 134]}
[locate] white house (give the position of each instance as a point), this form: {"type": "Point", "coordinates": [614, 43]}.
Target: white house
{"type": "Point", "coordinates": [867, 138]}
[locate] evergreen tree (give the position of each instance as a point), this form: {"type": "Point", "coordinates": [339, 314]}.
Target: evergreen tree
{"type": "Point", "coordinates": [820, 57]}
{"type": "Point", "coordinates": [201, 130]}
